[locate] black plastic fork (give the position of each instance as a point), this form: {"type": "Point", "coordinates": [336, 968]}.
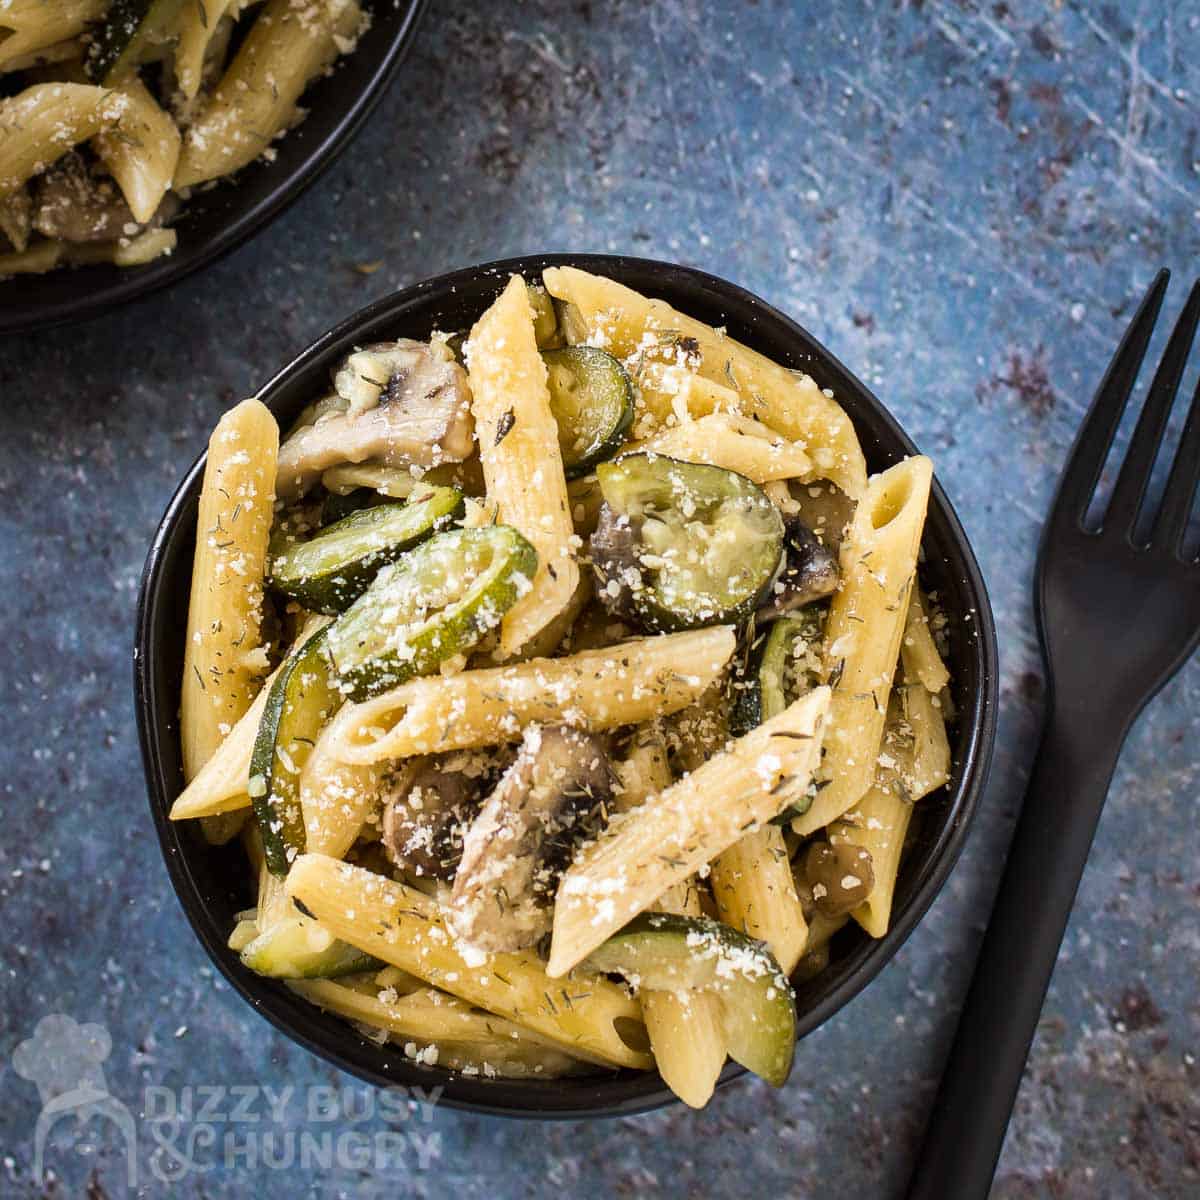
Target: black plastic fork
{"type": "Point", "coordinates": [1118, 614]}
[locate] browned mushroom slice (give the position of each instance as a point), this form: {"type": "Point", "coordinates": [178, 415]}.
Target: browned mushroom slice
{"type": "Point", "coordinates": [71, 204]}
{"type": "Point", "coordinates": [428, 805]}
{"type": "Point", "coordinates": [841, 876]}
{"type": "Point", "coordinates": [398, 404]}
{"type": "Point", "coordinates": [553, 796]}
{"type": "Point", "coordinates": [810, 572]}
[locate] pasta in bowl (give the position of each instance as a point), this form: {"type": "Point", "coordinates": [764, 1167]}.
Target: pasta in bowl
{"type": "Point", "coordinates": [576, 687]}
{"type": "Point", "coordinates": [157, 135]}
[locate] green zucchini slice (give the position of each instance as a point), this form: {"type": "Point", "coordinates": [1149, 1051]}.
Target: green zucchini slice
{"type": "Point", "coordinates": [592, 401]}
{"type": "Point", "coordinates": [303, 697]}
{"type": "Point", "coordinates": [128, 35]}
{"type": "Point", "coordinates": [331, 570]}
{"type": "Point", "coordinates": [680, 545]}
{"type": "Point", "coordinates": [299, 948]}
{"type": "Point", "coordinates": [437, 601]}
{"type": "Point", "coordinates": [665, 952]}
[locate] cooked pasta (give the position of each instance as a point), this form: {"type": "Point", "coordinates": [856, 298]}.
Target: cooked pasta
{"type": "Point", "coordinates": [93, 162]}
{"type": "Point", "coordinates": [594, 653]}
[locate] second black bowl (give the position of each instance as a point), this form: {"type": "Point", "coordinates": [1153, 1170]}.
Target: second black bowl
{"type": "Point", "coordinates": [210, 882]}
{"type": "Point", "coordinates": [214, 221]}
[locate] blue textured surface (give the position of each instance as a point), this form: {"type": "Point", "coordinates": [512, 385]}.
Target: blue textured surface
{"type": "Point", "coordinates": [963, 201]}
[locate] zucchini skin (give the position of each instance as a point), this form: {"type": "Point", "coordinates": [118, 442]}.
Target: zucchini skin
{"type": "Point", "coordinates": [118, 43]}
{"type": "Point", "coordinates": [455, 628]}
{"type": "Point", "coordinates": [606, 404]}
{"type": "Point", "coordinates": [689, 493]}
{"type": "Point", "coordinates": [276, 955]}
{"type": "Point", "coordinates": [333, 568]}
{"type": "Point", "coordinates": [667, 951]}
{"type": "Point", "coordinates": [303, 697]}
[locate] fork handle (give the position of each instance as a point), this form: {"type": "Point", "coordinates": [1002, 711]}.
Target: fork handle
{"type": "Point", "coordinates": [1049, 849]}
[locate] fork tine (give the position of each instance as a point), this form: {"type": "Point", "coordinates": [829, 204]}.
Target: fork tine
{"type": "Point", "coordinates": [1129, 494]}
{"type": "Point", "coordinates": [1099, 427]}
{"type": "Point", "coordinates": [1172, 523]}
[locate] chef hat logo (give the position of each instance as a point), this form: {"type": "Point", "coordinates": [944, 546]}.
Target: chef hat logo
{"type": "Point", "coordinates": [63, 1059]}
{"type": "Point", "coordinates": [63, 1056]}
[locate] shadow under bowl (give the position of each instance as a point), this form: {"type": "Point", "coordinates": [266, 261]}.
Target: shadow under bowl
{"type": "Point", "coordinates": [211, 882]}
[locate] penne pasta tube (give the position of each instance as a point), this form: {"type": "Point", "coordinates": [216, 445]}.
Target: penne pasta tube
{"type": "Point", "coordinates": [637, 329]}
{"type": "Point", "coordinates": [684, 1026]}
{"type": "Point", "coordinates": [427, 1015]}
{"type": "Point", "coordinates": [34, 25]}
{"type": "Point", "coordinates": [735, 443]}
{"type": "Point", "coordinates": [522, 462]}
{"type": "Point", "coordinates": [753, 886]}
{"type": "Point", "coordinates": [914, 761]}
{"type": "Point", "coordinates": [867, 616]}
{"type": "Point", "coordinates": [224, 662]}
{"type": "Point", "coordinates": [141, 150]}
{"type": "Point", "coordinates": [39, 125]}
{"type": "Point", "coordinates": [336, 798]}
{"type": "Point", "coordinates": [288, 46]}
{"type": "Point", "coordinates": [625, 684]}
{"type": "Point", "coordinates": [918, 651]}
{"type": "Point", "coordinates": [666, 839]}
{"type": "Point", "coordinates": [401, 926]}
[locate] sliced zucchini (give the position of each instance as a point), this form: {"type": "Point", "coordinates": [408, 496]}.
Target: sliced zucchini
{"type": "Point", "coordinates": [129, 34]}
{"type": "Point", "coordinates": [680, 545]}
{"type": "Point", "coordinates": [664, 952]}
{"type": "Point", "coordinates": [337, 505]}
{"type": "Point", "coordinates": [303, 697]}
{"type": "Point", "coordinates": [784, 664]}
{"type": "Point", "coordinates": [300, 948]}
{"type": "Point", "coordinates": [331, 570]}
{"type": "Point", "coordinates": [437, 601]}
{"type": "Point", "coordinates": [545, 319]}
{"type": "Point", "coordinates": [592, 401]}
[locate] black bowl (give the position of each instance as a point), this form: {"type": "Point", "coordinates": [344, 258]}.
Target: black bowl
{"type": "Point", "coordinates": [213, 222]}
{"type": "Point", "coordinates": [211, 882]}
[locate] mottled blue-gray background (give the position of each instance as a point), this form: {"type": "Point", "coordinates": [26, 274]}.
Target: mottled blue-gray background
{"type": "Point", "coordinates": [964, 201]}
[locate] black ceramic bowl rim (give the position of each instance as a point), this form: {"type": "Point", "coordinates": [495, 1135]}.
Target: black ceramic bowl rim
{"type": "Point", "coordinates": [414, 311]}
{"type": "Point", "coordinates": [260, 192]}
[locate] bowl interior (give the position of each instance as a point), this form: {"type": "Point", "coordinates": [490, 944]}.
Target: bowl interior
{"type": "Point", "coordinates": [210, 882]}
{"type": "Point", "coordinates": [213, 222]}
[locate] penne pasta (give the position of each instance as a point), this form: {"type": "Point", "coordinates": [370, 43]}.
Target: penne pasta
{"type": "Point", "coordinates": [918, 651]}
{"type": "Point", "coordinates": [38, 25]}
{"type": "Point", "coordinates": [753, 886]}
{"type": "Point", "coordinates": [914, 761]}
{"type": "Point", "coordinates": [638, 329]}
{"type": "Point", "coordinates": [401, 926]}
{"type": "Point", "coordinates": [224, 661]}
{"type": "Point", "coordinates": [735, 443]}
{"type": "Point", "coordinates": [427, 1015]}
{"type": "Point", "coordinates": [626, 684]}
{"type": "Point", "coordinates": [668, 838]}
{"type": "Point", "coordinates": [39, 125]}
{"type": "Point", "coordinates": [336, 798]}
{"type": "Point", "coordinates": [141, 150]}
{"type": "Point", "coordinates": [863, 633]}
{"type": "Point", "coordinates": [286, 48]}
{"type": "Point", "coordinates": [522, 463]}
{"type": "Point", "coordinates": [684, 1026]}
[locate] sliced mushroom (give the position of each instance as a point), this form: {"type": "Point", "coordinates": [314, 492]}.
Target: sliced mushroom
{"type": "Point", "coordinates": [614, 553]}
{"type": "Point", "coordinates": [71, 204]}
{"type": "Point", "coordinates": [398, 404]}
{"type": "Point", "coordinates": [552, 796]}
{"type": "Point", "coordinates": [16, 218]}
{"type": "Point", "coordinates": [841, 876]}
{"type": "Point", "coordinates": [810, 572]}
{"type": "Point", "coordinates": [427, 807]}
